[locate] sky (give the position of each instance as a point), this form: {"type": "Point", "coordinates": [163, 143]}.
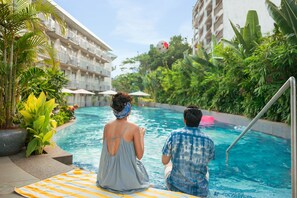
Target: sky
{"type": "Point", "coordinates": [130, 26]}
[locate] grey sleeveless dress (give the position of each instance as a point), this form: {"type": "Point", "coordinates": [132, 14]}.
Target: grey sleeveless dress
{"type": "Point", "coordinates": [121, 173]}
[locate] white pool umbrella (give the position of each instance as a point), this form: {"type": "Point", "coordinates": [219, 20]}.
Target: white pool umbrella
{"type": "Point", "coordinates": [139, 93]}
{"type": "Point", "coordinates": [83, 91]}
{"type": "Point", "coordinates": [65, 90]}
{"type": "Point", "coordinates": [108, 92]}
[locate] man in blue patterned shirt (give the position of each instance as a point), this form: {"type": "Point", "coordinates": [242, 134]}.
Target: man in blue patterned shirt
{"type": "Point", "coordinates": [186, 154]}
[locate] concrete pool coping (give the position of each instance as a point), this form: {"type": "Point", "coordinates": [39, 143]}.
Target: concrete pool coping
{"type": "Point", "coordinates": [17, 170]}
{"type": "Point", "coordinates": [277, 129]}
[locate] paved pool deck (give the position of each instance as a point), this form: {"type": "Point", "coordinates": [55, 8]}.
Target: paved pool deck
{"type": "Point", "coordinates": [17, 170]}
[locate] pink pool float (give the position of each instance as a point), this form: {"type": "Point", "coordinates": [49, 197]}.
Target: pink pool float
{"type": "Point", "coordinates": [207, 120]}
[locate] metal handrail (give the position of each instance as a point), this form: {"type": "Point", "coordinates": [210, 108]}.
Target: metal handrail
{"type": "Point", "coordinates": [289, 83]}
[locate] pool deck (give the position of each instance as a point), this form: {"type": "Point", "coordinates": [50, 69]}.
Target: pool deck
{"type": "Point", "coordinates": [17, 170]}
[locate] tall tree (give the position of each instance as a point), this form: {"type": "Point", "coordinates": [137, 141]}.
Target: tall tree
{"type": "Point", "coordinates": [20, 28]}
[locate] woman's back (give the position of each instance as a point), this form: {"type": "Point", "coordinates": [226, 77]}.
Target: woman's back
{"type": "Point", "coordinates": [115, 131]}
{"type": "Point", "coordinates": [119, 170]}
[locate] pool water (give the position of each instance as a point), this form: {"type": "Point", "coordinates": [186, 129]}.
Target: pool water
{"type": "Point", "coordinates": [259, 165]}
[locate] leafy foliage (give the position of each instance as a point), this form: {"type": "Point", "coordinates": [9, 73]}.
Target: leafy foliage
{"type": "Point", "coordinates": [37, 120]}
{"type": "Point", "coordinates": [153, 59]}
{"type": "Point", "coordinates": [21, 36]}
{"type": "Point", "coordinates": [285, 17]}
{"type": "Point", "coordinates": [128, 82]}
{"type": "Point", "coordinates": [248, 37]}
{"type": "Point", "coordinates": [63, 115]}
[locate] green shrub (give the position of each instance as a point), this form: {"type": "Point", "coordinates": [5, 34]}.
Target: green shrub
{"type": "Point", "coordinates": [36, 119]}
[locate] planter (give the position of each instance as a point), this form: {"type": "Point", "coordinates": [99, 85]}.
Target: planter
{"type": "Point", "coordinates": [12, 141]}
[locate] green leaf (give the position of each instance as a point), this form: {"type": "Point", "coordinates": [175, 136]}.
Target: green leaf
{"type": "Point", "coordinates": [47, 136]}
{"type": "Point", "coordinates": [285, 17]}
{"type": "Point", "coordinates": [39, 123]}
{"type": "Point", "coordinates": [238, 35]}
{"type": "Point", "coordinates": [31, 147]}
{"type": "Point", "coordinates": [41, 100]}
{"type": "Point", "coordinates": [27, 116]}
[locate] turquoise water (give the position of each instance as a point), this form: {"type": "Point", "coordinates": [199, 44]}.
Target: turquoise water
{"type": "Point", "coordinates": [259, 165]}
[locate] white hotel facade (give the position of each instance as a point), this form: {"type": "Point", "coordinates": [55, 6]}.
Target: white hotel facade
{"type": "Point", "coordinates": [211, 17]}
{"type": "Point", "coordinates": [84, 58]}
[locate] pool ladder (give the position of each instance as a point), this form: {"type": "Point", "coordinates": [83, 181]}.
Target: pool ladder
{"type": "Point", "coordinates": [289, 83]}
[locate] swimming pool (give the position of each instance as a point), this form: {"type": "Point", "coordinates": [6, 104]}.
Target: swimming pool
{"type": "Point", "coordinates": [259, 165]}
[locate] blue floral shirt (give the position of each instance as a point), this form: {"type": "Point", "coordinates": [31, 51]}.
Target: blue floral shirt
{"type": "Point", "coordinates": [190, 151]}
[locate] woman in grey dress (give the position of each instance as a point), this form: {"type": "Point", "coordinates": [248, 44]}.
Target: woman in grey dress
{"type": "Point", "coordinates": [120, 168]}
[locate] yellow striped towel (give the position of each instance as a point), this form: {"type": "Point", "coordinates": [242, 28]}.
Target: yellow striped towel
{"type": "Point", "coordinates": [81, 184]}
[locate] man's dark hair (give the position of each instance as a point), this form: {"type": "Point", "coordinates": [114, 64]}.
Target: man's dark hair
{"type": "Point", "coordinates": [193, 116]}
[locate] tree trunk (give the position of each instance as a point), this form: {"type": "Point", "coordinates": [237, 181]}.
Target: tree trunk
{"type": "Point", "coordinates": [9, 112]}
{"type": "Point", "coordinates": [3, 86]}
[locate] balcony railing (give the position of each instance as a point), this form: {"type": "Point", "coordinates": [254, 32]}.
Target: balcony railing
{"type": "Point", "coordinates": [82, 84]}
{"type": "Point", "coordinates": [218, 8]}
{"type": "Point", "coordinates": [72, 36]}
{"type": "Point", "coordinates": [219, 21]}
{"type": "Point", "coordinates": [63, 57]}
{"type": "Point", "coordinates": [83, 63]}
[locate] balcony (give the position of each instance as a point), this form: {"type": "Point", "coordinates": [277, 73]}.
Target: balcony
{"type": "Point", "coordinates": [209, 22]}
{"type": "Point", "coordinates": [82, 84]}
{"type": "Point", "coordinates": [91, 68]}
{"type": "Point", "coordinates": [73, 61]}
{"type": "Point", "coordinates": [200, 20]}
{"type": "Point", "coordinates": [102, 71]}
{"type": "Point", "coordinates": [72, 84]}
{"type": "Point", "coordinates": [50, 24]}
{"type": "Point", "coordinates": [209, 9]}
{"type": "Point", "coordinates": [67, 59]}
{"type": "Point", "coordinates": [219, 21]}
{"type": "Point", "coordinates": [91, 48]}
{"type": "Point", "coordinates": [83, 63]}
{"type": "Point", "coordinates": [200, 7]}
{"type": "Point", "coordinates": [218, 8]}
{"type": "Point", "coordinates": [98, 85]}
{"type": "Point", "coordinates": [219, 35]}
{"type": "Point", "coordinates": [63, 57]}
{"type": "Point", "coordinates": [72, 37]}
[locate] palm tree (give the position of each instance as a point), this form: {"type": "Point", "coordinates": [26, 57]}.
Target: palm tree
{"type": "Point", "coordinates": [21, 35]}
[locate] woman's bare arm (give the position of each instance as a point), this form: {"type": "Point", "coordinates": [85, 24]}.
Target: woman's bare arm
{"type": "Point", "coordinates": [138, 139]}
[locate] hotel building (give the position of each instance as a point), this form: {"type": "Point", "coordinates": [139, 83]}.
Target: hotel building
{"type": "Point", "coordinates": [211, 17]}
{"type": "Point", "coordinates": [84, 58]}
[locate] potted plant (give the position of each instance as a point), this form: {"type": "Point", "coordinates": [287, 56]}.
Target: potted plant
{"type": "Point", "coordinates": [36, 118]}
{"type": "Point", "coordinates": [21, 35]}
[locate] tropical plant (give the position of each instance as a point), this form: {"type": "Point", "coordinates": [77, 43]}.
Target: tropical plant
{"type": "Point", "coordinates": [36, 118]}
{"type": "Point", "coordinates": [47, 79]}
{"type": "Point", "coordinates": [21, 35]}
{"type": "Point", "coordinates": [64, 114]}
{"type": "Point", "coordinates": [285, 17]}
{"type": "Point", "coordinates": [272, 63]}
{"type": "Point", "coordinates": [247, 37]}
